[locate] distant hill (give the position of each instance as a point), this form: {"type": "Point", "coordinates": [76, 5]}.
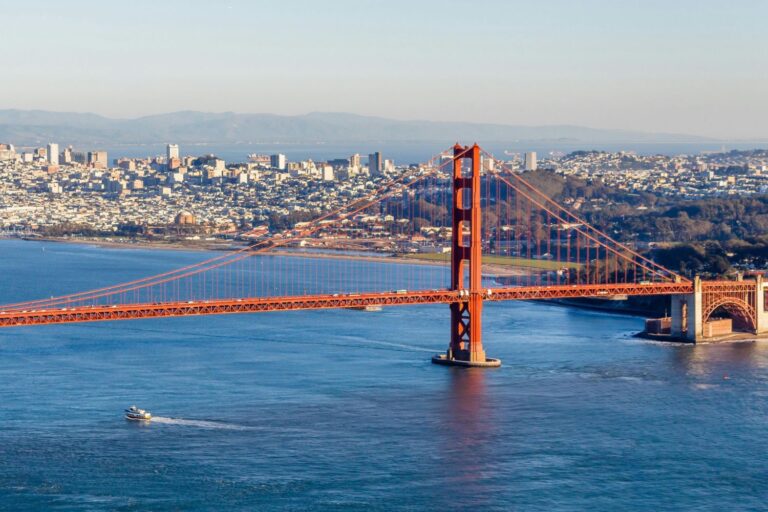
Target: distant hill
{"type": "Point", "coordinates": [38, 127]}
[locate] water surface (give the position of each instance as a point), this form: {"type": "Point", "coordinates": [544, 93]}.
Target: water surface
{"type": "Point", "coordinates": [341, 410]}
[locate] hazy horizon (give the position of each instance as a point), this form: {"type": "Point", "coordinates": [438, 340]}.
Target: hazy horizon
{"type": "Point", "coordinates": [689, 68]}
{"type": "Point", "coordinates": [383, 117]}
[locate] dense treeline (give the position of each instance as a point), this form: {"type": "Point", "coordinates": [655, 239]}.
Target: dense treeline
{"type": "Point", "coordinates": [719, 219]}
{"type": "Point", "coordinates": [71, 229]}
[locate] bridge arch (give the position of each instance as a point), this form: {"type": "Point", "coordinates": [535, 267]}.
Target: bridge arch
{"type": "Point", "coordinates": [741, 312]}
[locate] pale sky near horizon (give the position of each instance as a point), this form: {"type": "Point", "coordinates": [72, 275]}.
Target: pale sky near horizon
{"type": "Point", "coordinates": [685, 66]}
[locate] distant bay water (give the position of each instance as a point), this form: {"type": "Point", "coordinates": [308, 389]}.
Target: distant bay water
{"type": "Point", "coordinates": [411, 152]}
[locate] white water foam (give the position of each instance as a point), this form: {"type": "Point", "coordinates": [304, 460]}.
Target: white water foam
{"type": "Point", "coordinates": [198, 423]}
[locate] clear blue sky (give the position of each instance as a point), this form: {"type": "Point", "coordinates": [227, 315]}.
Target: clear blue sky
{"type": "Point", "coordinates": [698, 67]}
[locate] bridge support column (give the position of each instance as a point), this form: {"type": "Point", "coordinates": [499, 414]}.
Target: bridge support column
{"type": "Point", "coordinates": [466, 342]}
{"type": "Point", "coordinates": [687, 323]}
{"type": "Point", "coordinates": [761, 315]}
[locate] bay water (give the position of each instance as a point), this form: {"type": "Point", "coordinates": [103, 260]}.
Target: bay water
{"type": "Point", "coordinates": [342, 410]}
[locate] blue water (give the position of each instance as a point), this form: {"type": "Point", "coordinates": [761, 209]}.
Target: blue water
{"type": "Point", "coordinates": [341, 410]}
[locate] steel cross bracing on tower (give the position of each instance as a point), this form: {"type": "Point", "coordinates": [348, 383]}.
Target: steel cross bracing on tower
{"type": "Point", "coordinates": [459, 230]}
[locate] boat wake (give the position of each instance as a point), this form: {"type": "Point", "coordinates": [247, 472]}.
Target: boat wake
{"type": "Point", "coordinates": [198, 423]}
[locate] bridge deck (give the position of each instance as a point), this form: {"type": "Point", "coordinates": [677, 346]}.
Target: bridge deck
{"type": "Point", "coordinates": [290, 303]}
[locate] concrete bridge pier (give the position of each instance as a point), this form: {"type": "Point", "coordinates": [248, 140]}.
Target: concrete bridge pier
{"type": "Point", "coordinates": [760, 306]}
{"type": "Point", "coordinates": [744, 301]}
{"type": "Point", "coordinates": [687, 322]}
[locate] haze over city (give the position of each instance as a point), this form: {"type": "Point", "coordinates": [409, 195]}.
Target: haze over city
{"type": "Point", "coordinates": [692, 67]}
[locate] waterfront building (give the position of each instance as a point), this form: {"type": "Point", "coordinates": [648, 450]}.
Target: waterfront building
{"type": "Point", "coordinates": [185, 218]}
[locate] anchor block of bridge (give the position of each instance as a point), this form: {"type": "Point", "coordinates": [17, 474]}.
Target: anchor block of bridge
{"type": "Point", "coordinates": [742, 301]}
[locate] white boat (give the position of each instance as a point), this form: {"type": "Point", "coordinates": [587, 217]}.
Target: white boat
{"type": "Point", "coordinates": [136, 414]}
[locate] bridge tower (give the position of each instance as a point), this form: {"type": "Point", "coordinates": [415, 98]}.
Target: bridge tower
{"type": "Point", "coordinates": [466, 338]}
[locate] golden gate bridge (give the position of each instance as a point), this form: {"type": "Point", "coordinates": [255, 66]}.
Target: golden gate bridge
{"type": "Point", "coordinates": [508, 241]}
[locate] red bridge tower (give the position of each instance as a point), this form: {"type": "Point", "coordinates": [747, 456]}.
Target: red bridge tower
{"type": "Point", "coordinates": [466, 342]}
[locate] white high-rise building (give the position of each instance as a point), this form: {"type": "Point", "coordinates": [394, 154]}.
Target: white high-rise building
{"type": "Point", "coordinates": [171, 151]}
{"type": "Point", "coordinates": [277, 161]}
{"type": "Point", "coordinates": [327, 172]}
{"type": "Point", "coordinates": [53, 154]}
{"type": "Point", "coordinates": [530, 161]}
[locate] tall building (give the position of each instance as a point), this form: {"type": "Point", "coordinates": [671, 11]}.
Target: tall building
{"type": "Point", "coordinates": [53, 154]}
{"type": "Point", "coordinates": [354, 161]}
{"type": "Point", "coordinates": [530, 161]}
{"type": "Point", "coordinates": [277, 161]}
{"type": "Point", "coordinates": [79, 157]}
{"type": "Point", "coordinates": [67, 155]}
{"type": "Point", "coordinates": [171, 151]}
{"type": "Point", "coordinates": [327, 172]}
{"type": "Point", "coordinates": [375, 164]}
{"type": "Point", "coordinates": [98, 159]}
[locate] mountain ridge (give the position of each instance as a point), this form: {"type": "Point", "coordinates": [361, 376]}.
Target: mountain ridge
{"type": "Point", "coordinates": [189, 126]}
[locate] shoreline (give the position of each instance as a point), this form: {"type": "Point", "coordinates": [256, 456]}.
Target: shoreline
{"type": "Point", "coordinates": [178, 245]}
{"type": "Point", "coordinates": [734, 337]}
{"type": "Point", "coordinates": [492, 270]}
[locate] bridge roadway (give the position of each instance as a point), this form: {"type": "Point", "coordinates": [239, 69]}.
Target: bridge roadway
{"type": "Point", "coordinates": [61, 315]}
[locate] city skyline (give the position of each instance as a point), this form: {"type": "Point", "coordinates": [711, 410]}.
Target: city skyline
{"type": "Point", "coordinates": [686, 68]}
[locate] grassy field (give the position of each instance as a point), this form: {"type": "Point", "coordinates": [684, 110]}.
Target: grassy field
{"type": "Point", "coordinates": [510, 261]}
